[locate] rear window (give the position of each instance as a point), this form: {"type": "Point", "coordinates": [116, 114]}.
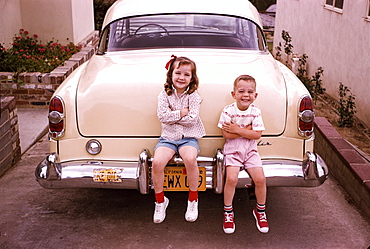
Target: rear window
{"type": "Point", "coordinates": [181, 30]}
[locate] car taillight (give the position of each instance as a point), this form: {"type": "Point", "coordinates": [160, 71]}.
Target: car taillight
{"type": "Point", "coordinates": [305, 116]}
{"type": "Point", "coordinates": [56, 117]}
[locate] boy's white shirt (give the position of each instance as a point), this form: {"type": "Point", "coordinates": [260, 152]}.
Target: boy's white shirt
{"type": "Point", "coordinates": [251, 116]}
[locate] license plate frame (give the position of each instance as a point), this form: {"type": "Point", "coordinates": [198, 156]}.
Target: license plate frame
{"type": "Point", "coordinates": [175, 179]}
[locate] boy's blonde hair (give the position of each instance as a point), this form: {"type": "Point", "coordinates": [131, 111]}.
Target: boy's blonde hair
{"type": "Point", "coordinates": [244, 77]}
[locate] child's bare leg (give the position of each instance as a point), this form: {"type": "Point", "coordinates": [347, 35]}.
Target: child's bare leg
{"type": "Point", "coordinates": [231, 181]}
{"type": "Point", "coordinates": [260, 184]}
{"type": "Point", "coordinates": [189, 156]}
{"type": "Point", "coordinates": [161, 157]}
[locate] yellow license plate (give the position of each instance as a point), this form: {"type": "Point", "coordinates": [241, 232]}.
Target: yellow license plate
{"type": "Point", "coordinates": [106, 175]}
{"type": "Point", "coordinates": [175, 179]}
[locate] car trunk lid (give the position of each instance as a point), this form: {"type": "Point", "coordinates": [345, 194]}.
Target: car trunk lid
{"type": "Point", "coordinates": [117, 94]}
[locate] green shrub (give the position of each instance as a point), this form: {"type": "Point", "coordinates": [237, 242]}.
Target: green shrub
{"type": "Point", "coordinates": [278, 52]}
{"type": "Point", "coordinates": [318, 89]}
{"type": "Point", "coordinates": [346, 107]}
{"type": "Point", "coordinates": [288, 48]}
{"type": "Point", "coordinates": [27, 54]}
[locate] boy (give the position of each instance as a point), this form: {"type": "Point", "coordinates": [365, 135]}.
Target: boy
{"type": "Point", "coordinates": [241, 124]}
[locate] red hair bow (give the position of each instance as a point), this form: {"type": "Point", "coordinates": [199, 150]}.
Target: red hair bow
{"type": "Point", "coordinates": [173, 57]}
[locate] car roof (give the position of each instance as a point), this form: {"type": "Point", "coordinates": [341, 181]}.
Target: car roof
{"type": "Point", "coordinates": [127, 8]}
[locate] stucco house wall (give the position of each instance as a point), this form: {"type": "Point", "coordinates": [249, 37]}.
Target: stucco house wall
{"type": "Point", "coordinates": [336, 39]}
{"type": "Point", "coordinates": [59, 20]}
{"type": "Point", "coordinates": [10, 21]}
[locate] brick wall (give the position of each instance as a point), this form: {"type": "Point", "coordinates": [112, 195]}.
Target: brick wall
{"type": "Point", "coordinates": [35, 89]}
{"type": "Point", "coordinates": [345, 163]}
{"type": "Point", "coordinates": [10, 149]}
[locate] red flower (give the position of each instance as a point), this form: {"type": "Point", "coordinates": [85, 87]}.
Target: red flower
{"type": "Point", "coordinates": [26, 32]}
{"type": "Point", "coordinates": [35, 35]}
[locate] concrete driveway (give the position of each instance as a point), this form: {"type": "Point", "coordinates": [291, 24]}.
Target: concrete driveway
{"type": "Point", "coordinates": [34, 217]}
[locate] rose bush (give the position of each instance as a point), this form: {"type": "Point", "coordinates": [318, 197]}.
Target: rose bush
{"type": "Point", "coordinates": [28, 54]}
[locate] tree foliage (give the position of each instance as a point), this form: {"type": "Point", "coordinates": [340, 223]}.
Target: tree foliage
{"type": "Point", "coordinates": [262, 4]}
{"type": "Point", "coordinates": [100, 9]}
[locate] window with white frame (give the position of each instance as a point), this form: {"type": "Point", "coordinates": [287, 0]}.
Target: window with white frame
{"type": "Point", "coordinates": [335, 3]}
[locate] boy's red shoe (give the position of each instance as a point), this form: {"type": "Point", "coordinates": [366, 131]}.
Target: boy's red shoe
{"type": "Point", "coordinates": [229, 225]}
{"type": "Point", "coordinates": [261, 221]}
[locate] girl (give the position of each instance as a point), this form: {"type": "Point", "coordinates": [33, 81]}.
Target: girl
{"type": "Point", "coordinates": [178, 111]}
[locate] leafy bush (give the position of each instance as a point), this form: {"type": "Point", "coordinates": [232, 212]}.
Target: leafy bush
{"type": "Point", "coordinates": [313, 85]}
{"type": "Point", "coordinates": [346, 107]}
{"type": "Point", "coordinates": [302, 71]}
{"type": "Point", "coordinates": [27, 54]}
{"type": "Point", "coordinates": [318, 89]}
{"type": "Point", "coordinates": [288, 48]}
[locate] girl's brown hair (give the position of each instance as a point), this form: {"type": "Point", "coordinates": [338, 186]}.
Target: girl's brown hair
{"type": "Point", "coordinates": [179, 61]}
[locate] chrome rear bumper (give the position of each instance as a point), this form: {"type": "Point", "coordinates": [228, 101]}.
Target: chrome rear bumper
{"type": "Point", "coordinates": [312, 172]}
{"type": "Point", "coordinates": [51, 173]}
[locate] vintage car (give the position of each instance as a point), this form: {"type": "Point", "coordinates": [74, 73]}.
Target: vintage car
{"type": "Point", "coordinates": [103, 123]}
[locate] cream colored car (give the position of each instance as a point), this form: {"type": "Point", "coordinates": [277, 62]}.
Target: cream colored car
{"type": "Point", "coordinates": [103, 122]}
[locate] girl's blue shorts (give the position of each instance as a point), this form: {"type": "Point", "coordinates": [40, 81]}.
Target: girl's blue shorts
{"type": "Point", "coordinates": [176, 145]}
